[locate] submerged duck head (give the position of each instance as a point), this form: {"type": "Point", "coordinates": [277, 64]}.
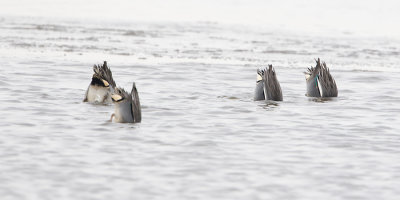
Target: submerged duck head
{"type": "Point", "coordinates": [127, 106]}
{"type": "Point", "coordinates": [101, 86]}
{"type": "Point", "coordinates": [120, 95]}
{"type": "Point", "coordinates": [98, 81]}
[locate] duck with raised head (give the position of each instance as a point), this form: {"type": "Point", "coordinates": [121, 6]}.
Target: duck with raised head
{"type": "Point", "coordinates": [320, 82]}
{"type": "Point", "coordinates": [267, 85]}
{"type": "Point", "coordinates": [101, 86]}
{"type": "Point", "coordinates": [127, 106]}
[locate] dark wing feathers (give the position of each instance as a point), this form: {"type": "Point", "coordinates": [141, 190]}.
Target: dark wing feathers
{"type": "Point", "coordinates": [136, 110]}
{"type": "Point", "coordinates": [327, 83]}
{"type": "Point", "coordinates": [272, 88]}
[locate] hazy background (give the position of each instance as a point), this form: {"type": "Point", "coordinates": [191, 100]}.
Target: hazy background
{"type": "Point", "coordinates": [368, 17]}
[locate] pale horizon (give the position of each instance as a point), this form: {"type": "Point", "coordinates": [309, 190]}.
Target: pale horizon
{"type": "Point", "coordinates": [362, 18]}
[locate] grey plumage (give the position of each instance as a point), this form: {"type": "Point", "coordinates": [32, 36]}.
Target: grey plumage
{"type": "Point", "coordinates": [267, 86]}
{"type": "Point", "coordinates": [127, 106]}
{"type": "Point", "coordinates": [259, 91]}
{"type": "Point", "coordinates": [320, 82]}
{"type": "Point", "coordinates": [101, 86]}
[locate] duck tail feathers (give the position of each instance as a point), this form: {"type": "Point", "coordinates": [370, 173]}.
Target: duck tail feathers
{"type": "Point", "coordinates": [104, 72]}
{"type": "Point", "coordinates": [326, 82]}
{"type": "Point", "coordinates": [136, 109]}
{"type": "Point", "coordinates": [272, 88]}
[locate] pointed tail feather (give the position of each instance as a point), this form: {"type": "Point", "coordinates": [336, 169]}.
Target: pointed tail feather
{"type": "Point", "coordinates": [326, 82]}
{"type": "Point", "coordinates": [320, 82]}
{"type": "Point", "coordinates": [104, 72]}
{"type": "Point", "coordinates": [272, 88]}
{"type": "Point", "coordinates": [136, 109]}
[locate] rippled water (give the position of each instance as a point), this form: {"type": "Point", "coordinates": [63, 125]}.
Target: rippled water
{"type": "Point", "coordinates": [202, 136]}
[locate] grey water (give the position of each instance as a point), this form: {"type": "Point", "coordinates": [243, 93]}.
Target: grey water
{"type": "Point", "coordinates": [202, 136]}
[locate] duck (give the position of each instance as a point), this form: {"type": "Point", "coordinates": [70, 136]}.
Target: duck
{"type": "Point", "coordinates": [267, 85]}
{"type": "Point", "coordinates": [102, 85]}
{"type": "Point", "coordinates": [127, 106]}
{"type": "Point", "coordinates": [320, 82]}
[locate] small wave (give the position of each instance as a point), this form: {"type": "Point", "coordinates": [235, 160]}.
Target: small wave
{"type": "Point", "coordinates": [242, 50]}
{"type": "Point", "coordinates": [25, 124]}
{"type": "Point", "coordinates": [288, 52]}
{"type": "Point", "coordinates": [202, 143]}
{"type": "Point", "coordinates": [380, 52]}
{"type": "Point", "coordinates": [228, 97]}
{"type": "Point", "coordinates": [259, 42]}
{"type": "Point", "coordinates": [367, 79]}
{"type": "Point", "coordinates": [351, 54]}
{"type": "Point", "coordinates": [93, 39]}
{"type": "Point", "coordinates": [39, 27]}
{"type": "Point", "coordinates": [23, 44]}
{"type": "Point", "coordinates": [125, 54]}
{"type": "Point", "coordinates": [3, 83]}
{"type": "Point", "coordinates": [140, 33]}
{"type": "Point", "coordinates": [51, 27]}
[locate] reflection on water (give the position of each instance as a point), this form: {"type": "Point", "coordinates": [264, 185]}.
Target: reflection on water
{"type": "Point", "coordinates": [322, 99]}
{"type": "Point", "coordinates": [228, 97]}
{"type": "Point", "coordinates": [268, 105]}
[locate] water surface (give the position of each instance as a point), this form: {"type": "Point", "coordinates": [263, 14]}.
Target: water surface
{"type": "Point", "coordinates": [202, 136]}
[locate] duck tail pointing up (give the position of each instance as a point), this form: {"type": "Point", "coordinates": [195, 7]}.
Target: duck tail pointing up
{"type": "Point", "coordinates": [104, 72]}
{"type": "Point", "coordinates": [327, 83]}
{"type": "Point", "coordinates": [272, 88]}
{"type": "Point", "coordinates": [136, 109]}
